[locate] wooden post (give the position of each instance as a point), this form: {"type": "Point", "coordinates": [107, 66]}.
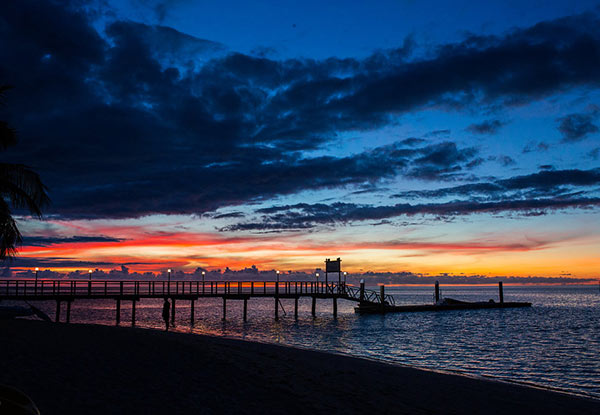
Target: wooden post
{"type": "Point", "coordinates": [224, 308]}
{"type": "Point", "coordinates": [362, 291]}
{"type": "Point", "coordinates": [382, 296]}
{"type": "Point", "coordinates": [296, 308]}
{"type": "Point", "coordinates": [118, 311]}
{"type": "Point", "coordinates": [173, 312]}
{"type": "Point", "coordinates": [501, 291]}
{"type": "Point", "coordinates": [314, 306]}
{"type": "Point", "coordinates": [133, 313]}
{"type": "Point", "coordinates": [58, 311]}
{"type": "Point", "coordinates": [245, 309]}
{"type": "Point", "coordinates": [192, 312]}
{"type": "Point", "coordinates": [334, 306]}
{"type": "Point", "coordinates": [277, 300]}
{"type": "Point", "coordinates": [437, 292]}
{"type": "Point", "coordinates": [68, 311]}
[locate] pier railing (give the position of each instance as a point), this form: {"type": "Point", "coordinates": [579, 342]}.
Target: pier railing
{"type": "Point", "coordinates": [368, 296]}
{"type": "Point", "coordinates": [159, 288]}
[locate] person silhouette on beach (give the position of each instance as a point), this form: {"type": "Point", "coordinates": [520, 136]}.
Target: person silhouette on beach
{"type": "Point", "coordinates": [165, 313]}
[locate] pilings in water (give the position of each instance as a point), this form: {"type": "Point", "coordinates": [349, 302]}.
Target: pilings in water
{"type": "Point", "coordinates": [57, 311]}
{"type": "Point", "coordinates": [296, 308]}
{"type": "Point", "coordinates": [334, 307]}
{"type": "Point", "coordinates": [173, 312]}
{"type": "Point", "coordinates": [437, 292]}
{"type": "Point", "coordinates": [133, 313]}
{"type": "Point", "coordinates": [277, 300]}
{"type": "Point", "coordinates": [382, 295]}
{"type": "Point", "coordinates": [192, 312]}
{"type": "Point", "coordinates": [362, 291]}
{"type": "Point", "coordinates": [501, 291]}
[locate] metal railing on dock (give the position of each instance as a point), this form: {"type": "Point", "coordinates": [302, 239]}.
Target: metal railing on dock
{"type": "Point", "coordinates": [111, 288]}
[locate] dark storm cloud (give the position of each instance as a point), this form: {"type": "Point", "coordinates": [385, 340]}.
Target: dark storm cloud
{"type": "Point", "coordinates": [543, 183]}
{"type": "Point", "coordinates": [144, 119]}
{"type": "Point", "coordinates": [48, 240]}
{"type": "Point", "coordinates": [50, 262]}
{"type": "Point", "coordinates": [575, 127]}
{"type": "Point", "coordinates": [303, 216]}
{"type": "Point", "coordinates": [486, 127]}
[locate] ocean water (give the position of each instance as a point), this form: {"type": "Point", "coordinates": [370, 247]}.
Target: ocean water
{"type": "Point", "coordinates": [554, 344]}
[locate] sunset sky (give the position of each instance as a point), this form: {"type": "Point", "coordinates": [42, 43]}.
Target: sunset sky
{"type": "Point", "coordinates": [420, 136]}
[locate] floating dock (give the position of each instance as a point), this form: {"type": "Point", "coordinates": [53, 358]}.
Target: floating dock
{"type": "Point", "coordinates": [378, 309]}
{"type": "Point", "coordinates": [447, 304]}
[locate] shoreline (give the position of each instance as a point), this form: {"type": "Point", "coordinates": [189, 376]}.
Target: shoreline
{"type": "Point", "coordinates": [388, 362]}
{"type": "Point", "coordinates": [97, 369]}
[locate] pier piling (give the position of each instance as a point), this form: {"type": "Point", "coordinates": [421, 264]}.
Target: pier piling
{"type": "Point", "coordinates": [437, 292]}
{"type": "Point", "coordinates": [192, 312]}
{"type": "Point", "coordinates": [362, 291]}
{"type": "Point", "coordinates": [133, 313]}
{"type": "Point", "coordinates": [118, 311]}
{"type": "Point", "coordinates": [296, 308]}
{"type": "Point", "coordinates": [501, 291]}
{"type": "Point", "coordinates": [277, 300]}
{"type": "Point", "coordinates": [382, 295]}
{"type": "Point", "coordinates": [173, 312]}
{"type": "Point", "coordinates": [334, 307]}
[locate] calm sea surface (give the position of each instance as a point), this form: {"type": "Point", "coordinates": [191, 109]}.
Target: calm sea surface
{"type": "Point", "coordinates": [555, 343]}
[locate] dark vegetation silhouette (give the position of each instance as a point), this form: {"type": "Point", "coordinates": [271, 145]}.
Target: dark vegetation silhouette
{"type": "Point", "coordinates": [20, 187]}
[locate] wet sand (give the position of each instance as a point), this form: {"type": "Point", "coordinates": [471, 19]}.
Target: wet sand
{"type": "Point", "coordinates": [92, 369]}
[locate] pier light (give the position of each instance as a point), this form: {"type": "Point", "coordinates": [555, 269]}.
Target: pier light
{"type": "Point", "coordinates": [203, 274]}
{"type": "Point", "coordinates": [169, 274]}
{"type": "Point", "coordinates": [90, 273]}
{"type": "Point", "coordinates": [317, 275]}
{"type": "Point", "coordinates": [277, 272]}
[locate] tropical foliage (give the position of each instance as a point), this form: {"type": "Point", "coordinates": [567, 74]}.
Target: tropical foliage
{"type": "Point", "coordinates": [21, 189]}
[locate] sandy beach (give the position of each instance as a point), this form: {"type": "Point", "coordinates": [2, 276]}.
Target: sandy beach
{"type": "Point", "coordinates": [92, 369]}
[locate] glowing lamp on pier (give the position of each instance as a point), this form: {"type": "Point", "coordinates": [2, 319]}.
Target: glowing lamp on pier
{"type": "Point", "coordinates": [90, 273]}
{"type": "Point", "coordinates": [169, 274]}
{"type": "Point", "coordinates": [277, 272]}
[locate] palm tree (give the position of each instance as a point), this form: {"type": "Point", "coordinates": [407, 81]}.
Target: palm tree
{"type": "Point", "coordinates": [20, 188]}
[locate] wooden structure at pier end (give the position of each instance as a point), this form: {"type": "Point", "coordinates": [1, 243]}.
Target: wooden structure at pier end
{"type": "Point", "coordinates": [66, 291]}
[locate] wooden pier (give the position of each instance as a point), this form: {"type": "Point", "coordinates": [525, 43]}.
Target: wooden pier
{"type": "Point", "coordinates": [369, 301]}
{"type": "Point", "coordinates": [68, 291]}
